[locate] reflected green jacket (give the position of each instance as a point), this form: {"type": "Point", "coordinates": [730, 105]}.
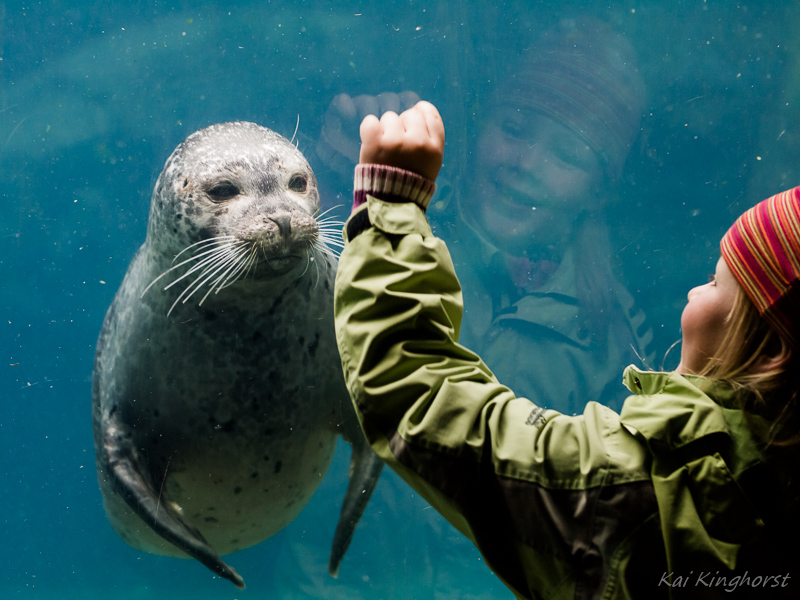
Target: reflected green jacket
{"type": "Point", "coordinates": [655, 502]}
{"type": "Point", "coordinates": [544, 326]}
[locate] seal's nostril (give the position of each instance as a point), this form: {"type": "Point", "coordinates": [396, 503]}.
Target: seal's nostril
{"type": "Point", "coordinates": [284, 224]}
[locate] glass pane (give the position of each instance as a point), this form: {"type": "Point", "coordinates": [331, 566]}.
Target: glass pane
{"type": "Point", "coordinates": [595, 156]}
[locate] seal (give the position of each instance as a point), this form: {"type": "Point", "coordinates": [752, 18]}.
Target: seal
{"type": "Point", "coordinates": [217, 388]}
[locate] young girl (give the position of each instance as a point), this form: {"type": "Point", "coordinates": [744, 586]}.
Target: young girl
{"type": "Point", "coordinates": [689, 492]}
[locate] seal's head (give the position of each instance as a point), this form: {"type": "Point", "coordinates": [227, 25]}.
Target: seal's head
{"type": "Point", "coordinates": [234, 199]}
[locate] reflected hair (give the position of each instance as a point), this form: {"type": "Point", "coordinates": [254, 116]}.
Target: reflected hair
{"type": "Point", "coordinates": [771, 394]}
{"type": "Point", "coordinates": [599, 310]}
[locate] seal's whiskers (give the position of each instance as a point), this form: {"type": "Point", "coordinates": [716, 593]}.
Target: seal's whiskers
{"type": "Point", "coordinates": [213, 257]}
{"type": "Point", "coordinates": [243, 263]}
{"type": "Point", "coordinates": [235, 266]}
{"type": "Point", "coordinates": [332, 220]}
{"type": "Point", "coordinates": [222, 239]}
{"type": "Point", "coordinates": [296, 127]}
{"type": "Point", "coordinates": [317, 255]}
{"type": "Point", "coordinates": [227, 257]}
{"type": "Point", "coordinates": [309, 260]}
{"type": "Point", "coordinates": [320, 247]}
{"type": "Point", "coordinates": [251, 261]}
{"type": "Point", "coordinates": [329, 239]}
{"type": "Point", "coordinates": [331, 224]}
{"type": "Point", "coordinates": [318, 215]}
{"type": "Point", "coordinates": [224, 242]}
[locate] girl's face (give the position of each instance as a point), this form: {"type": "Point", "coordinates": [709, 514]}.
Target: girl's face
{"type": "Point", "coordinates": [705, 319]}
{"type": "Point", "coordinates": [534, 177]}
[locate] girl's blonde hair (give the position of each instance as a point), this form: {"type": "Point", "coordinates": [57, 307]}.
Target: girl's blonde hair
{"type": "Point", "coordinates": [772, 394]}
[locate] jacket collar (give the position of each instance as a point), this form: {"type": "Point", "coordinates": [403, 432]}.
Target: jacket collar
{"type": "Point", "coordinates": [671, 410]}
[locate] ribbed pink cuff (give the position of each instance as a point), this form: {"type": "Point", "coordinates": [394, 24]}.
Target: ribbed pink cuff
{"type": "Point", "coordinates": [391, 184]}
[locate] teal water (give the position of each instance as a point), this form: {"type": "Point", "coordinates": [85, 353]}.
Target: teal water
{"type": "Point", "coordinates": [94, 98]}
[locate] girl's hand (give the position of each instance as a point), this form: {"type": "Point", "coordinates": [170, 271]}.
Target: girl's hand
{"type": "Point", "coordinates": [413, 140]}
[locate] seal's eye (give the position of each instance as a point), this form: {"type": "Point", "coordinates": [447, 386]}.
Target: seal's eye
{"type": "Point", "coordinates": [224, 190]}
{"type": "Point", "coordinates": [298, 183]}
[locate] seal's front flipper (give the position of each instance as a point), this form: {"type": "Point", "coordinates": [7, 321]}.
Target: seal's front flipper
{"type": "Point", "coordinates": [132, 480]}
{"type": "Point", "coordinates": [365, 469]}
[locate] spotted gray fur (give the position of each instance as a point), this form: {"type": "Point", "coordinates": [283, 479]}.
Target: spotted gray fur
{"type": "Point", "coordinates": [218, 392]}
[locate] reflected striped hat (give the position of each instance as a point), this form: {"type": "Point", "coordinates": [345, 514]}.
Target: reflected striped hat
{"type": "Point", "coordinates": [762, 249]}
{"type": "Point", "coordinates": [583, 75]}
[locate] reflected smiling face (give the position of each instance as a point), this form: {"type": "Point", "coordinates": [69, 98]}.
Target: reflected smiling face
{"type": "Point", "coordinates": [704, 321]}
{"type": "Point", "coordinates": [534, 177]}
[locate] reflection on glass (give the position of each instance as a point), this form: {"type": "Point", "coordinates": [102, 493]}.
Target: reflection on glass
{"type": "Point", "coordinates": [544, 307]}
{"type": "Point", "coordinates": [92, 101]}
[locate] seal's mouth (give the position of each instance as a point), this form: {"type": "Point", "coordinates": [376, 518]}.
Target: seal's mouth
{"type": "Point", "coordinates": [213, 264]}
{"type": "Point", "coordinates": [279, 264]}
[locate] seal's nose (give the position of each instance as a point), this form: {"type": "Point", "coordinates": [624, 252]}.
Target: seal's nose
{"type": "Point", "coordinates": [284, 223]}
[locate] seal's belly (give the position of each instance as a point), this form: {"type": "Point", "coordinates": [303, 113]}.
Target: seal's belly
{"type": "Point", "coordinates": [241, 493]}
{"type": "Point", "coordinates": [237, 471]}
{"type": "Point", "coordinates": [238, 438]}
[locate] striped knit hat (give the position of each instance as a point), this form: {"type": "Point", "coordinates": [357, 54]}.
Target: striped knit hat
{"type": "Point", "coordinates": [762, 249]}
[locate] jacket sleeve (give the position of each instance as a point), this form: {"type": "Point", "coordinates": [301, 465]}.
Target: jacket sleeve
{"type": "Point", "coordinates": [521, 482]}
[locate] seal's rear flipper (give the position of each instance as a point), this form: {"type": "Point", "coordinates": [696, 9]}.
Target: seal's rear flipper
{"type": "Point", "coordinates": [365, 469]}
{"type": "Point", "coordinates": [132, 481]}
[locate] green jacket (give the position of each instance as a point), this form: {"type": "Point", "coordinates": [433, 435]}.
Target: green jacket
{"type": "Point", "coordinates": [656, 502]}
